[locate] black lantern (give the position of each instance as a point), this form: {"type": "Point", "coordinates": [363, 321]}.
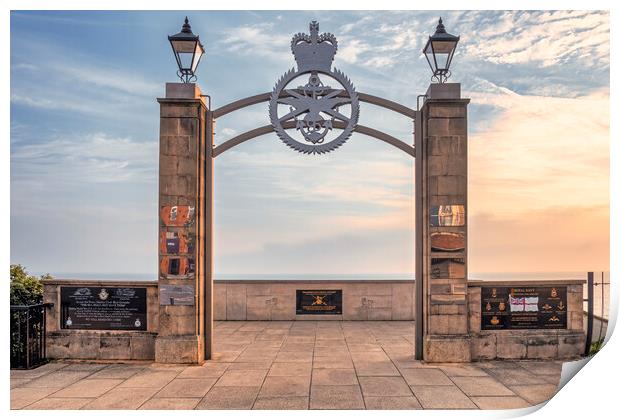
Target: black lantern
{"type": "Point", "coordinates": [187, 51]}
{"type": "Point", "coordinates": [439, 51]}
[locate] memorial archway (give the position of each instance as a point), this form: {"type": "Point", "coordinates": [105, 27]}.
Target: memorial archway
{"type": "Point", "coordinates": [316, 119]}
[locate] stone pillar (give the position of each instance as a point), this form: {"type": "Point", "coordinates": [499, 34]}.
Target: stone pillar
{"type": "Point", "coordinates": [183, 336]}
{"type": "Point", "coordinates": [441, 224]}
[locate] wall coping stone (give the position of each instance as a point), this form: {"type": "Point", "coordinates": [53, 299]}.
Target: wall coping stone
{"type": "Point", "coordinates": [554, 282]}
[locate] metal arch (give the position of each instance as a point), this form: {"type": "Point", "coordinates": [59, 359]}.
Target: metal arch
{"type": "Point", "coordinates": [264, 97]}
{"type": "Point", "coordinates": [266, 129]}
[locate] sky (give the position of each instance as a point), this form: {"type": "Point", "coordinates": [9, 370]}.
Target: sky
{"type": "Point", "coordinates": [84, 142]}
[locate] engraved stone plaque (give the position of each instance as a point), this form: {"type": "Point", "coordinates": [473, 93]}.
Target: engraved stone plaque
{"type": "Point", "coordinates": [176, 295]}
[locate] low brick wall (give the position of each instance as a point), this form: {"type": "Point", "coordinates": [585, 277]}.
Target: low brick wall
{"type": "Point", "coordinates": [100, 344]}
{"type": "Point", "coordinates": [271, 300]}
{"type": "Point", "coordinates": [566, 343]}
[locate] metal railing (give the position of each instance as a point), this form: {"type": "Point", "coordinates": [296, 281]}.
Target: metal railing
{"type": "Point", "coordinates": [596, 318]}
{"type": "Point", "coordinates": [28, 335]}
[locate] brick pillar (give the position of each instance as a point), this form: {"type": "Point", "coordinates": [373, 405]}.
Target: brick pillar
{"type": "Point", "coordinates": [441, 224]}
{"type": "Point", "coordinates": [181, 335]}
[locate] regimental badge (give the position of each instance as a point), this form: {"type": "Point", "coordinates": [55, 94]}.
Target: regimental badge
{"type": "Point", "coordinates": [315, 108]}
{"type": "Point", "coordinates": [103, 294]}
{"type": "Point", "coordinates": [494, 321]}
{"type": "Point", "coordinates": [319, 300]}
{"type": "Point", "coordinates": [488, 307]}
{"type": "Point", "coordinates": [554, 292]}
{"type": "Point", "coordinates": [137, 323]}
{"type": "Point", "coordinates": [68, 322]}
{"type": "Point", "coordinates": [502, 306]}
{"type": "Point", "coordinates": [561, 306]}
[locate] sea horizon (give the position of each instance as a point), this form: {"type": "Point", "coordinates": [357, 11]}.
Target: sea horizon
{"type": "Point", "coordinates": [490, 276]}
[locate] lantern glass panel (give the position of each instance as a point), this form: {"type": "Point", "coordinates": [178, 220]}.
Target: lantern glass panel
{"type": "Point", "coordinates": [443, 51]}
{"type": "Point", "coordinates": [185, 51]}
{"type": "Point", "coordinates": [197, 54]}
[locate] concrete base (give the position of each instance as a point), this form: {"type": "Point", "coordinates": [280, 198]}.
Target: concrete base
{"type": "Point", "coordinates": [179, 349]}
{"type": "Point", "coordinates": [449, 348]}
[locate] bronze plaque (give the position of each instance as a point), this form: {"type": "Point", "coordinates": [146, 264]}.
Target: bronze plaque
{"type": "Point", "coordinates": [527, 307]}
{"type": "Point", "coordinates": [447, 242]}
{"type": "Point", "coordinates": [319, 302]}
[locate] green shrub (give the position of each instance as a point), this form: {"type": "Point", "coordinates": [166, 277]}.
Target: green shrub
{"type": "Point", "coordinates": [26, 289]}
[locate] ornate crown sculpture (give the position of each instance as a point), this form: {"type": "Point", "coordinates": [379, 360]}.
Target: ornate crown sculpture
{"type": "Point", "coordinates": [314, 51]}
{"type": "Point", "coordinates": [314, 109]}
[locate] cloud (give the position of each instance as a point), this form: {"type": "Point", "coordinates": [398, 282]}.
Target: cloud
{"type": "Point", "coordinates": [548, 38]}
{"type": "Point", "coordinates": [93, 158]}
{"type": "Point", "coordinates": [258, 39]}
{"type": "Point", "coordinates": [540, 152]}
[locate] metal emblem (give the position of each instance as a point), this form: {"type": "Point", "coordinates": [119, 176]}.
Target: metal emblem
{"type": "Point", "coordinates": [103, 294]}
{"type": "Point", "coordinates": [314, 108]}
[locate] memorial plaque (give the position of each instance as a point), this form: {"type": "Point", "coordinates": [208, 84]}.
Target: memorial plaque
{"type": "Point", "coordinates": [448, 215]}
{"type": "Point", "coordinates": [177, 215]}
{"type": "Point", "coordinates": [319, 302]}
{"type": "Point", "coordinates": [177, 267]}
{"type": "Point", "coordinates": [176, 295]}
{"type": "Point", "coordinates": [103, 308]}
{"type": "Point", "coordinates": [447, 242]}
{"type": "Point", "coordinates": [447, 268]}
{"type": "Point", "coordinates": [527, 307]}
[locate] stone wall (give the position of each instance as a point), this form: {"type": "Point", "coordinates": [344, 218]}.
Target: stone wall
{"type": "Point", "coordinates": [100, 344]}
{"type": "Point", "coordinates": [566, 343]}
{"type": "Point", "coordinates": [264, 300]}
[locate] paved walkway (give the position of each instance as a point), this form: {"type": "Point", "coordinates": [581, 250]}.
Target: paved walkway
{"type": "Point", "coordinates": [292, 365]}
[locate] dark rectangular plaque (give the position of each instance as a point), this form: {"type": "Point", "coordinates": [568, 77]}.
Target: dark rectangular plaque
{"type": "Point", "coordinates": [521, 308]}
{"type": "Point", "coordinates": [103, 308]}
{"type": "Point", "coordinates": [319, 302]}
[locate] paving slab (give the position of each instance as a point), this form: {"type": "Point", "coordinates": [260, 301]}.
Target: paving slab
{"type": "Point", "coordinates": [170, 404]}
{"type": "Point", "coordinates": [229, 398]}
{"type": "Point", "coordinates": [21, 397]}
{"type": "Point", "coordinates": [442, 397]}
{"type": "Point", "coordinates": [57, 379]}
{"type": "Point", "coordinates": [376, 369]}
{"type": "Point", "coordinates": [59, 404]}
{"type": "Point", "coordinates": [117, 372]}
{"type": "Point", "coordinates": [500, 403]}
{"type": "Point", "coordinates": [256, 365]}
{"type": "Point", "coordinates": [290, 369]}
{"type": "Point", "coordinates": [535, 394]}
{"type": "Point", "coordinates": [294, 356]}
{"type": "Point", "coordinates": [208, 370]}
{"type": "Point", "coordinates": [150, 378]}
{"type": "Point", "coordinates": [187, 388]}
{"type": "Point", "coordinates": [37, 372]}
{"type": "Point", "coordinates": [242, 378]}
{"type": "Point", "coordinates": [285, 386]}
{"type": "Point", "coordinates": [425, 376]}
{"type": "Point", "coordinates": [338, 397]}
{"type": "Point", "coordinates": [481, 386]}
{"type": "Point", "coordinates": [122, 399]}
{"type": "Point", "coordinates": [392, 403]}
{"type": "Point", "coordinates": [281, 403]}
{"type": "Point", "coordinates": [389, 386]}
{"type": "Point", "coordinates": [334, 377]}
{"type": "Point", "coordinates": [87, 388]}
{"type": "Point", "coordinates": [327, 362]}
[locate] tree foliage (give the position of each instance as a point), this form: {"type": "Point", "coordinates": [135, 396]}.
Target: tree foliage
{"type": "Point", "coordinates": [26, 289]}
